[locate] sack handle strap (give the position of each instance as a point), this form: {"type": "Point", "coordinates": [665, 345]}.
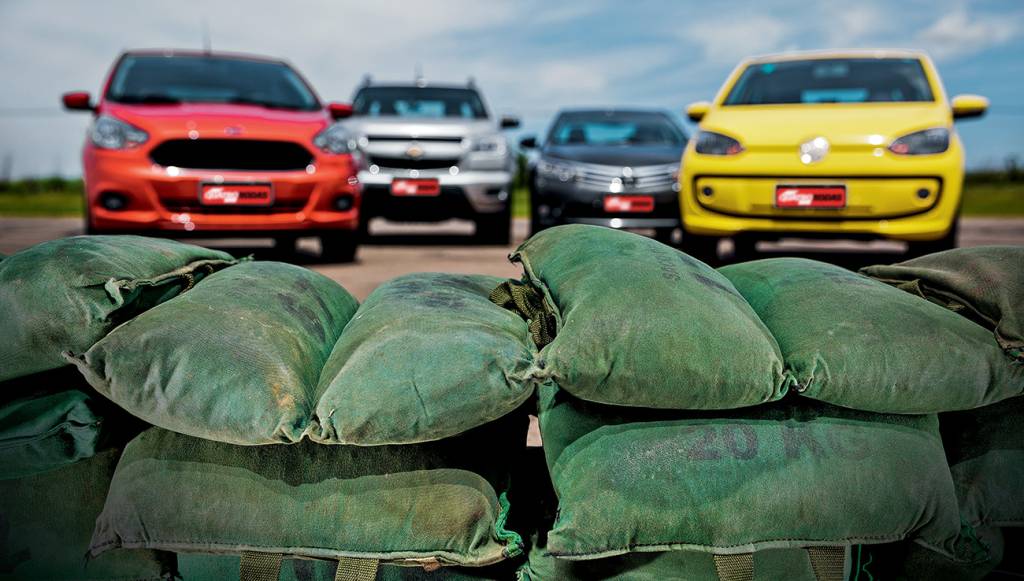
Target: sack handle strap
{"type": "Point", "coordinates": [259, 567]}
{"type": "Point", "coordinates": [828, 564]}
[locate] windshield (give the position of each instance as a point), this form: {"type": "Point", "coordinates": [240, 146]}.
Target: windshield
{"type": "Point", "coordinates": [610, 129]}
{"type": "Point", "coordinates": [864, 80]}
{"type": "Point", "coordinates": [206, 79]}
{"type": "Point", "coordinates": [422, 102]}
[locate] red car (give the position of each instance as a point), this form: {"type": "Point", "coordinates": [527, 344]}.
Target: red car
{"type": "Point", "coordinates": [210, 144]}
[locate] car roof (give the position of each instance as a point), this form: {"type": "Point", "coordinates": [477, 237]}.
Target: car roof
{"type": "Point", "coordinates": [837, 53]}
{"type": "Point", "coordinates": [415, 85]}
{"type": "Point", "coordinates": [173, 52]}
{"type": "Point", "coordinates": [610, 110]}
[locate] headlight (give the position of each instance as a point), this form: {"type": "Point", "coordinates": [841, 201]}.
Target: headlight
{"type": "Point", "coordinates": [934, 140]}
{"type": "Point", "coordinates": [490, 144]}
{"type": "Point", "coordinates": [711, 143]}
{"type": "Point", "coordinates": [110, 133]}
{"type": "Point", "coordinates": [556, 170]}
{"type": "Point", "coordinates": [335, 139]}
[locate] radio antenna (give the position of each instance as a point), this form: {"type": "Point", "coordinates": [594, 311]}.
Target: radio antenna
{"type": "Point", "coordinates": [207, 43]}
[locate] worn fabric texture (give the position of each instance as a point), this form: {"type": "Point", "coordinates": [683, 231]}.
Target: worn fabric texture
{"type": "Point", "coordinates": [435, 502]}
{"type": "Point", "coordinates": [983, 283]}
{"type": "Point", "coordinates": [795, 473]}
{"type": "Point", "coordinates": [208, 567]}
{"type": "Point", "coordinates": [236, 359]}
{"type": "Point", "coordinates": [48, 520]}
{"type": "Point", "coordinates": [985, 449]}
{"type": "Point", "coordinates": [642, 324]}
{"type": "Point", "coordinates": [855, 342]}
{"type": "Point", "coordinates": [427, 356]}
{"type": "Point", "coordinates": [52, 419]}
{"type": "Point", "coordinates": [66, 294]}
{"type": "Point", "coordinates": [769, 565]}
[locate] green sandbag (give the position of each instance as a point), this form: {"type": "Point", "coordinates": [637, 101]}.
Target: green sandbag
{"type": "Point", "coordinates": [419, 504]}
{"type": "Point", "coordinates": [48, 521]}
{"type": "Point", "coordinates": [638, 320]}
{"type": "Point", "coordinates": [985, 449]}
{"type": "Point", "coordinates": [982, 554]}
{"type": "Point", "coordinates": [983, 283]}
{"type": "Point", "coordinates": [855, 342]}
{"type": "Point", "coordinates": [790, 474]}
{"type": "Point", "coordinates": [207, 567]}
{"type": "Point", "coordinates": [236, 359]}
{"type": "Point", "coordinates": [427, 356]}
{"type": "Point", "coordinates": [66, 294]}
{"type": "Point", "coordinates": [768, 565]}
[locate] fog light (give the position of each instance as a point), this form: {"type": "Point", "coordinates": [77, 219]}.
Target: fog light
{"type": "Point", "coordinates": [707, 191]}
{"type": "Point", "coordinates": [923, 193]}
{"type": "Point", "coordinates": [113, 201]}
{"type": "Point", "coordinates": [343, 203]}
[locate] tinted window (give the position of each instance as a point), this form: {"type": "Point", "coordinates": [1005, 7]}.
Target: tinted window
{"type": "Point", "coordinates": [428, 102]}
{"type": "Point", "coordinates": [651, 129]}
{"type": "Point", "coordinates": [202, 79]}
{"type": "Point", "coordinates": [831, 81]}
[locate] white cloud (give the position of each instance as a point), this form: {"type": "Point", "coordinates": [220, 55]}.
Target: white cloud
{"type": "Point", "coordinates": [958, 34]}
{"type": "Point", "coordinates": [729, 40]}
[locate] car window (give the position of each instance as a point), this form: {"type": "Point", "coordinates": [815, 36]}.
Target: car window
{"type": "Point", "coordinates": [606, 129]}
{"type": "Point", "coordinates": [863, 80]}
{"type": "Point", "coordinates": [421, 102]}
{"type": "Point", "coordinates": [209, 79]}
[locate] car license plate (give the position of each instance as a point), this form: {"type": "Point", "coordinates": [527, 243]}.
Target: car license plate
{"type": "Point", "coordinates": [632, 204]}
{"type": "Point", "coordinates": [413, 187]}
{"type": "Point", "coordinates": [810, 197]}
{"type": "Point", "coordinates": [235, 194]}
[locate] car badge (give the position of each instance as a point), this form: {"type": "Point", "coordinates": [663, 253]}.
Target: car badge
{"type": "Point", "coordinates": [628, 177]}
{"type": "Point", "coordinates": [414, 151]}
{"type": "Point", "coordinates": [814, 150]}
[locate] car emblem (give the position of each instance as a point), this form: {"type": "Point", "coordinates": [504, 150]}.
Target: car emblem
{"type": "Point", "coordinates": [414, 151]}
{"type": "Point", "coordinates": [233, 130]}
{"type": "Point", "coordinates": [627, 176]}
{"type": "Point", "coordinates": [814, 150]}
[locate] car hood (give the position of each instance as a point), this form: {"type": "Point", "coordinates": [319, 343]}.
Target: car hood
{"type": "Point", "coordinates": [419, 128]}
{"type": "Point", "coordinates": [218, 120]}
{"type": "Point", "coordinates": [850, 124]}
{"type": "Point", "coordinates": [621, 155]}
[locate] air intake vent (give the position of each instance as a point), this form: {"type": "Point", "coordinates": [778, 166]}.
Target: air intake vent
{"type": "Point", "coordinates": [232, 154]}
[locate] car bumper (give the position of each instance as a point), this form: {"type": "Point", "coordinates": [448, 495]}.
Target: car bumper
{"type": "Point", "coordinates": [572, 204]}
{"type": "Point", "coordinates": [462, 195]}
{"type": "Point", "coordinates": [167, 199]}
{"type": "Point", "coordinates": [904, 199]}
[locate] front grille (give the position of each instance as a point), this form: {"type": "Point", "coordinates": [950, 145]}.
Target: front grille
{"type": "Point", "coordinates": [410, 139]}
{"type": "Point", "coordinates": [232, 154]}
{"type": "Point", "coordinates": [643, 178]}
{"type": "Point", "coordinates": [408, 163]}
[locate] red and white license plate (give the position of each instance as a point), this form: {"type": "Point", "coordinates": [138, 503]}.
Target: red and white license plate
{"type": "Point", "coordinates": [638, 204]}
{"type": "Point", "coordinates": [810, 196]}
{"type": "Point", "coordinates": [414, 187]}
{"type": "Point", "coordinates": [235, 195]}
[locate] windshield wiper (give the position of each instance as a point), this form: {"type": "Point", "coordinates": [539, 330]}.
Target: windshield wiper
{"type": "Point", "coordinates": [148, 99]}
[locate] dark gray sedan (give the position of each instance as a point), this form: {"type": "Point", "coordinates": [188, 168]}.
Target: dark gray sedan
{"type": "Point", "coordinates": [617, 168]}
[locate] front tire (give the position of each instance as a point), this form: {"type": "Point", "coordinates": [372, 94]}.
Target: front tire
{"type": "Point", "coordinates": [703, 248]}
{"type": "Point", "coordinates": [947, 242]}
{"type": "Point", "coordinates": [339, 246]}
{"type": "Point", "coordinates": [495, 228]}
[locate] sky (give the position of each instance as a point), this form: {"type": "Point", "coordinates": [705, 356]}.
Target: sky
{"type": "Point", "coordinates": [530, 57]}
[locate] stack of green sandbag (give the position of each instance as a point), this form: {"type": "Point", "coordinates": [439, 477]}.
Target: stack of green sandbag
{"type": "Point", "coordinates": [711, 417]}
{"type": "Point", "coordinates": [293, 423]}
{"type": "Point", "coordinates": [59, 440]}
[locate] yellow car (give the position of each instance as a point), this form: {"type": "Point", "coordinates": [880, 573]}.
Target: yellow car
{"type": "Point", "coordinates": [826, 144]}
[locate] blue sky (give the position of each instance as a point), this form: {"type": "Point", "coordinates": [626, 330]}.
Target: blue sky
{"type": "Point", "coordinates": [531, 57]}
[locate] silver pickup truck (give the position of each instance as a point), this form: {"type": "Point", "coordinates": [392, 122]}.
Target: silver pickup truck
{"type": "Point", "coordinates": [433, 152]}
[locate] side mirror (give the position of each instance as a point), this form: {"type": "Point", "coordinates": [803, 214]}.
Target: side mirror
{"type": "Point", "coordinates": [968, 106]}
{"type": "Point", "coordinates": [509, 122]}
{"type": "Point", "coordinates": [697, 111]}
{"type": "Point", "coordinates": [77, 101]}
{"type": "Point", "coordinates": [339, 110]}
{"type": "Point", "coordinates": [528, 142]}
